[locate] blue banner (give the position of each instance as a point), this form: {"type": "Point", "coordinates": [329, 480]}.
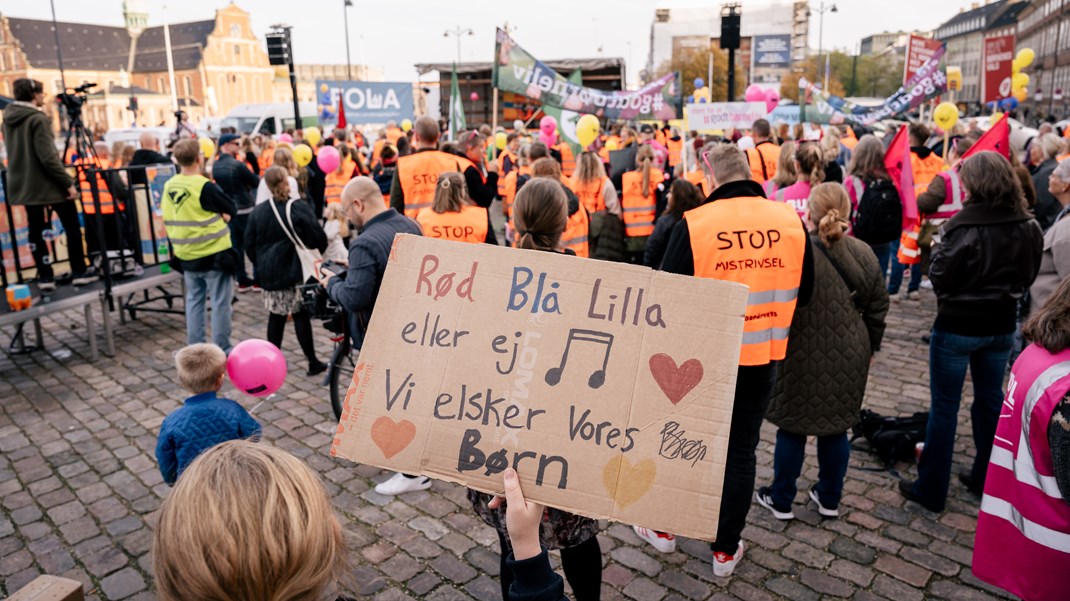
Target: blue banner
{"type": "Point", "coordinates": [772, 51]}
{"type": "Point", "coordinates": [365, 102]}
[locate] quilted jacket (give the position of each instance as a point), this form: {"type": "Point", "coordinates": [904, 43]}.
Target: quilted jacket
{"type": "Point", "coordinates": [204, 421]}
{"type": "Point", "coordinates": [821, 382]}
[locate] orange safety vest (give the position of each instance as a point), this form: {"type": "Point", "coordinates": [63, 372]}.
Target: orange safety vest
{"type": "Point", "coordinates": [568, 161]}
{"type": "Point", "coordinates": [909, 252]}
{"type": "Point", "coordinates": [639, 211]}
{"type": "Point", "coordinates": [850, 141]}
{"type": "Point", "coordinates": [267, 157]}
{"type": "Point", "coordinates": [567, 182]}
{"type": "Point", "coordinates": [107, 203]}
{"type": "Point", "coordinates": [674, 147]}
{"type": "Point", "coordinates": [591, 194]}
{"type": "Point", "coordinates": [659, 136]}
{"type": "Point", "coordinates": [698, 178]}
{"type": "Point", "coordinates": [509, 188]}
{"type": "Point", "coordinates": [752, 241]}
{"type": "Point", "coordinates": [925, 169]}
{"type": "Point", "coordinates": [469, 225]}
{"type": "Point", "coordinates": [1062, 158]}
{"type": "Point", "coordinates": [418, 174]}
{"type": "Point", "coordinates": [763, 161]}
{"type": "Point", "coordinates": [576, 230]}
{"type": "Point", "coordinates": [336, 182]}
{"type": "Point", "coordinates": [377, 149]}
{"type": "Point", "coordinates": [502, 171]}
{"type": "Point", "coordinates": [393, 133]}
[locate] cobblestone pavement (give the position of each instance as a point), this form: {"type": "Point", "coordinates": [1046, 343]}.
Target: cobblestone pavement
{"type": "Point", "coordinates": [79, 486]}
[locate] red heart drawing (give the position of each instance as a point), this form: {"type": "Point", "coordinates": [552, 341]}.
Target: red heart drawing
{"type": "Point", "coordinates": [675, 381]}
{"type": "Point", "coordinates": [392, 437]}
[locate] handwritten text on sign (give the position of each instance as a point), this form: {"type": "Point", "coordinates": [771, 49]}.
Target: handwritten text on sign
{"type": "Point", "coordinates": [608, 387]}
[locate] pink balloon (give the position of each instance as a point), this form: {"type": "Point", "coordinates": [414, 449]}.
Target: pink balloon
{"type": "Point", "coordinates": [474, 96]}
{"type": "Point", "coordinates": [286, 138]}
{"type": "Point", "coordinates": [548, 125]}
{"type": "Point", "coordinates": [256, 367]}
{"type": "Point", "coordinates": [772, 99]}
{"type": "Point", "coordinates": [754, 94]}
{"type": "Point", "coordinates": [328, 159]}
{"type": "Point", "coordinates": [548, 139]}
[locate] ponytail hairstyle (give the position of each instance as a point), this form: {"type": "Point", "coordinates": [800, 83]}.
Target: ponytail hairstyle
{"type": "Point", "coordinates": [343, 153]}
{"type": "Point", "coordinates": [830, 209]}
{"type": "Point", "coordinates": [540, 214]}
{"type": "Point", "coordinates": [277, 183]}
{"type": "Point", "coordinates": [644, 158]}
{"type": "Point", "coordinates": [451, 193]}
{"type": "Point", "coordinates": [811, 162]}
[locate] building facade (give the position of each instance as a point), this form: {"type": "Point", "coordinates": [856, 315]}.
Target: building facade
{"type": "Point", "coordinates": [308, 74]}
{"type": "Point", "coordinates": [964, 35]}
{"type": "Point", "coordinates": [888, 41]}
{"type": "Point", "coordinates": [218, 64]}
{"type": "Point", "coordinates": [1044, 26]}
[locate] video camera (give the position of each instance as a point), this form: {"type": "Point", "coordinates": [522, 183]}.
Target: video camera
{"type": "Point", "coordinates": [73, 101]}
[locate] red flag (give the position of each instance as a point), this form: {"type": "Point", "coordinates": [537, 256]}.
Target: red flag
{"type": "Point", "coordinates": [897, 162]}
{"type": "Point", "coordinates": [996, 139]}
{"type": "Point", "coordinates": [341, 113]}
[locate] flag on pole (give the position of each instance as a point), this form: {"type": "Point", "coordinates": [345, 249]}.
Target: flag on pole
{"type": "Point", "coordinates": [897, 163]}
{"type": "Point", "coordinates": [996, 139]}
{"type": "Point", "coordinates": [457, 123]}
{"type": "Point", "coordinates": [341, 113]}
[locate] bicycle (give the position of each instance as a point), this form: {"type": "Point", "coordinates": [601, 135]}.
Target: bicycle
{"type": "Point", "coordinates": [343, 359]}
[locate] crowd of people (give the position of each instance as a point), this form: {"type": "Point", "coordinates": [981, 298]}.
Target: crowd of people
{"type": "Point", "coordinates": [991, 239]}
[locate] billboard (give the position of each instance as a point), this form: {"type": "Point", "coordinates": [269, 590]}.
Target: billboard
{"type": "Point", "coordinates": [771, 52]}
{"type": "Point", "coordinates": [919, 51]}
{"type": "Point", "coordinates": [996, 58]}
{"type": "Point", "coordinates": [365, 102]}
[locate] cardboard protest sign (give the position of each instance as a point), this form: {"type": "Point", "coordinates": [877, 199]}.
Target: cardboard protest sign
{"type": "Point", "coordinates": [608, 387]}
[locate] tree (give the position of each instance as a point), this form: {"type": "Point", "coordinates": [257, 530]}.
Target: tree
{"type": "Point", "coordinates": [868, 75]}
{"type": "Point", "coordinates": [789, 87]}
{"type": "Point", "coordinates": [694, 62]}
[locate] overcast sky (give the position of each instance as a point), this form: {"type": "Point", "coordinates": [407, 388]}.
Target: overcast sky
{"type": "Point", "coordinates": [393, 35]}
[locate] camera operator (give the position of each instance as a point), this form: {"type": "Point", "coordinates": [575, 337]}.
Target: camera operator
{"type": "Point", "coordinates": [37, 180]}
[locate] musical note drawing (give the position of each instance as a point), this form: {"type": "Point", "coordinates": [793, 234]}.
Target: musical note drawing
{"type": "Point", "coordinates": [598, 377]}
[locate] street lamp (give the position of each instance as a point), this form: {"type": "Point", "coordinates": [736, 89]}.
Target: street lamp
{"type": "Point", "coordinates": [458, 32]}
{"type": "Point", "coordinates": [345, 15]}
{"type": "Point", "coordinates": [821, 10]}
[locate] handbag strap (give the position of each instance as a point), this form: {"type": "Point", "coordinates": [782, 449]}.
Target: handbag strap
{"type": "Point", "coordinates": [285, 228]}
{"type": "Point", "coordinates": [839, 270]}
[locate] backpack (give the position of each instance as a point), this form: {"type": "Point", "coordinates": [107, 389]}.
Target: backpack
{"type": "Point", "coordinates": [879, 216]}
{"type": "Point", "coordinates": [892, 439]}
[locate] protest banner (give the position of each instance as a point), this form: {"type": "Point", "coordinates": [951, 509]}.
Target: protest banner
{"type": "Point", "coordinates": [724, 115]}
{"type": "Point", "coordinates": [14, 237]}
{"type": "Point", "coordinates": [919, 51]}
{"type": "Point", "coordinates": [997, 57]}
{"type": "Point", "coordinates": [365, 102]}
{"type": "Point", "coordinates": [609, 387]}
{"type": "Point", "coordinates": [515, 70]}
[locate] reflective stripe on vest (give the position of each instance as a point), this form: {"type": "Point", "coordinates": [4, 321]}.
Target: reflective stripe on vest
{"type": "Point", "coordinates": [418, 174]}
{"type": "Point", "coordinates": [194, 232]}
{"type": "Point", "coordinates": [752, 241]}
{"type": "Point", "coordinates": [568, 162]}
{"type": "Point", "coordinates": [952, 196]}
{"type": "Point", "coordinates": [639, 211]}
{"type": "Point", "coordinates": [855, 191]}
{"type": "Point", "coordinates": [675, 148]}
{"type": "Point", "coordinates": [909, 253]}
{"type": "Point", "coordinates": [591, 194]}
{"type": "Point", "coordinates": [576, 233]}
{"type": "Point", "coordinates": [107, 203]}
{"type": "Point", "coordinates": [469, 225]}
{"type": "Point", "coordinates": [1023, 528]}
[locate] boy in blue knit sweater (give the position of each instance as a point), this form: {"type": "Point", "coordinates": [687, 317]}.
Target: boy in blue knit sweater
{"type": "Point", "coordinates": [205, 420]}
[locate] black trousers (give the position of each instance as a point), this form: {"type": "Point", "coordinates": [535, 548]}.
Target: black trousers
{"type": "Point", "coordinates": [582, 565]}
{"type": "Point", "coordinates": [754, 390]}
{"type": "Point", "coordinates": [39, 219]}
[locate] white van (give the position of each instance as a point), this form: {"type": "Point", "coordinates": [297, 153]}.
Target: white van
{"type": "Point", "coordinates": [272, 118]}
{"type": "Point", "coordinates": [131, 135]}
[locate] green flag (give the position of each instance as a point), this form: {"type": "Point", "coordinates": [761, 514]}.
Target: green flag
{"type": "Point", "coordinates": [457, 123]}
{"type": "Point", "coordinates": [566, 120]}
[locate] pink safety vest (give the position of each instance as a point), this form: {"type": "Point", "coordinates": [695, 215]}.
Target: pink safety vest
{"type": "Point", "coordinates": [770, 188]}
{"type": "Point", "coordinates": [952, 196]}
{"type": "Point", "coordinates": [798, 196]}
{"type": "Point", "coordinates": [855, 189]}
{"type": "Point", "coordinates": [1023, 528]}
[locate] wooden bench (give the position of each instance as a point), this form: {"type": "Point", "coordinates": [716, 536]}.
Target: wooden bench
{"type": "Point", "coordinates": [50, 588]}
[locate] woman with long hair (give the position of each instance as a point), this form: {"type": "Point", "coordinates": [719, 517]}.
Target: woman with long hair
{"type": "Point", "coordinates": [592, 185]}
{"type": "Point", "coordinates": [821, 382]}
{"type": "Point", "coordinates": [785, 170]}
{"type": "Point", "coordinates": [284, 158]}
{"type": "Point", "coordinates": [639, 201]}
{"type": "Point", "coordinates": [866, 171]}
{"type": "Point", "coordinates": [809, 172]}
{"type": "Point", "coordinates": [453, 216]}
{"type": "Point", "coordinates": [683, 196]}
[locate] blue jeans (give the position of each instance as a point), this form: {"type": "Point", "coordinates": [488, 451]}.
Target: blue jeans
{"type": "Point", "coordinates": [199, 286]}
{"type": "Point", "coordinates": [884, 256]}
{"type": "Point", "coordinates": [833, 452]}
{"type": "Point", "coordinates": [896, 281]}
{"type": "Point", "coordinates": [949, 357]}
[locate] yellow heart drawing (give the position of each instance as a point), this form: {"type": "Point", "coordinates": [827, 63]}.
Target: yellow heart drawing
{"type": "Point", "coordinates": [627, 483]}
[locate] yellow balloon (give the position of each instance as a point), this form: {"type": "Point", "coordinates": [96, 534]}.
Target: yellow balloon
{"type": "Point", "coordinates": [207, 147]}
{"type": "Point", "coordinates": [587, 130]}
{"type": "Point", "coordinates": [1019, 80]}
{"type": "Point", "coordinates": [312, 135]}
{"type": "Point", "coordinates": [303, 155]}
{"type": "Point", "coordinates": [1025, 57]}
{"type": "Point", "coordinates": [946, 115]}
{"type": "Point", "coordinates": [1020, 94]}
{"type": "Point", "coordinates": [1016, 67]}
{"type": "Point", "coordinates": [323, 87]}
{"type": "Point", "coordinates": [406, 124]}
{"type": "Point", "coordinates": [500, 140]}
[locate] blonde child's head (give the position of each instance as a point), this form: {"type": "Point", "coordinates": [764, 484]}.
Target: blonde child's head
{"type": "Point", "coordinates": [248, 521]}
{"type": "Point", "coordinates": [335, 212]}
{"type": "Point", "coordinates": [201, 367]}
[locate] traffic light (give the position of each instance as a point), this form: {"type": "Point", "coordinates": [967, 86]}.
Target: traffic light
{"type": "Point", "coordinates": [132, 107]}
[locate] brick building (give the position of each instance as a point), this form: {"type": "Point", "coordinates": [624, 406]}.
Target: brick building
{"type": "Point", "coordinates": [1045, 27]}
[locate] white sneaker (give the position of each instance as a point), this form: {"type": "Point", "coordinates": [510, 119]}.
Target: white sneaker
{"type": "Point", "coordinates": [829, 513]}
{"type": "Point", "coordinates": [927, 284]}
{"type": "Point", "coordinates": [662, 541]}
{"type": "Point", "coordinates": [399, 484]}
{"type": "Point", "coordinates": [766, 500]}
{"type": "Point", "coordinates": [724, 564]}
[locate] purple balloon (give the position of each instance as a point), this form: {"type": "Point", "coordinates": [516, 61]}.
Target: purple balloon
{"type": "Point", "coordinates": [328, 159]}
{"type": "Point", "coordinates": [256, 367]}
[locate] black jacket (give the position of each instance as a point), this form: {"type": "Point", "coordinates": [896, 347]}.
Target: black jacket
{"type": "Point", "coordinates": [986, 259]}
{"type": "Point", "coordinates": [270, 249]}
{"type": "Point", "coordinates": [143, 157]}
{"type": "Point", "coordinates": [236, 181]}
{"type": "Point", "coordinates": [656, 243]}
{"type": "Point", "coordinates": [1048, 207]}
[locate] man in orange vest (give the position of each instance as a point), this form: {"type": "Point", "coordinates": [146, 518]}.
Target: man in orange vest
{"type": "Point", "coordinates": [764, 156]}
{"type": "Point", "coordinates": [110, 190]}
{"type": "Point", "coordinates": [674, 143]}
{"type": "Point", "coordinates": [393, 132]}
{"type": "Point", "coordinates": [925, 165]}
{"type": "Point", "coordinates": [739, 236]}
{"type": "Point", "coordinates": [414, 182]}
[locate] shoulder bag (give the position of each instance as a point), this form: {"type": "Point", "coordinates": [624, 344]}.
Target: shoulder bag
{"type": "Point", "coordinates": [308, 256]}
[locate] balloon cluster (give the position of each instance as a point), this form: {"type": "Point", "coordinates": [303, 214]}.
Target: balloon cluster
{"type": "Point", "coordinates": [702, 92]}
{"type": "Point", "coordinates": [755, 93]}
{"type": "Point", "coordinates": [1019, 80]}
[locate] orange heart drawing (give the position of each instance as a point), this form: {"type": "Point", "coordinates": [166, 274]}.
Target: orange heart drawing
{"type": "Point", "coordinates": [392, 437]}
{"type": "Point", "coordinates": [627, 483]}
{"type": "Point", "coordinates": [675, 381]}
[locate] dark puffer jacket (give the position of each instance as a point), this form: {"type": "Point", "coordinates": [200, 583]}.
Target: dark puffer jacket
{"type": "Point", "coordinates": [269, 248]}
{"type": "Point", "coordinates": [821, 382]}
